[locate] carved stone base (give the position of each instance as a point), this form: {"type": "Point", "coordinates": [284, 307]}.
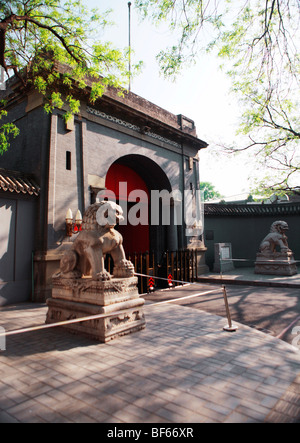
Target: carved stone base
{"type": "Point", "coordinates": [223, 258]}
{"type": "Point", "coordinates": [276, 264]}
{"type": "Point", "coordinates": [198, 245]}
{"type": "Point", "coordinates": [117, 299]}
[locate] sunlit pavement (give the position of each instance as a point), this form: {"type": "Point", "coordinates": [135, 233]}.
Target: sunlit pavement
{"type": "Point", "coordinates": [246, 275]}
{"type": "Point", "coordinates": [183, 368]}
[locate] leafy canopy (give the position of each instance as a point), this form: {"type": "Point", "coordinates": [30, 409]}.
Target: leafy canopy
{"type": "Point", "coordinates": [258, 40]}
{"type": "Point", "coordinates": [37, 35]}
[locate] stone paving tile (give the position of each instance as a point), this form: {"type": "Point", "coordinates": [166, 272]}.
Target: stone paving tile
{"type": "Point", "coordinates": [182, 368]}
{"type": "Point", "coordinates": [287, 409]}
{"type": "Point", "coordinates": [237, 417]}
{"type": "Point", "coordinates": [132, 414]}
{"type": "Point", "coordinates": [7, 418]}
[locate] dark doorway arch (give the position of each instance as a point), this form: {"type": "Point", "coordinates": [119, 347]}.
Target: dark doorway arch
{"type": "Point", "coordinates": [152, 174]}
{"type": "Point", "coordinates": [140, 172]}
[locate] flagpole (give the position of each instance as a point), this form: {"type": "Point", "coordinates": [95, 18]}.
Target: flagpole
{"type": "Point", "coordinates": [129, 33]}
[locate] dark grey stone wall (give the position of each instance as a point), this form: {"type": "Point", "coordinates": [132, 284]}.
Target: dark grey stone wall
{"type": "Point", "coordinates": [17, 217]}
{"type": "Point", "coordinates": [27, 151]}
{"type": "Point", "coordinates": [245, 234]}
{"type": "Point", "coordinates": [66, 187]}
{"type": "Point", "coordinates": [106, 145]}
{"type": "Point", "coordinates": [93, 147]}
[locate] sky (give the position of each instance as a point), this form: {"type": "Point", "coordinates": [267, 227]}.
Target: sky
{"type": "Point", "coordinates": [201, 92]}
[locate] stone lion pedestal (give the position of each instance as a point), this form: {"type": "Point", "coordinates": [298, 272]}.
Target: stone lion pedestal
{"type": "Point", "coordinates": [276, 264]}
{"type": "Point", "coordinates": [274, 256]}
{"type": "Point", "coordinates": [84, 288]}
{"type": "Point", "coordinates": [118, 299]}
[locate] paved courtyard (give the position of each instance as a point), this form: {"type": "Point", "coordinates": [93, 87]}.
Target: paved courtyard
{"type": "Point", "coordinates": [273, 310]}
{"type": "Point", "coordinates": [183, 368]}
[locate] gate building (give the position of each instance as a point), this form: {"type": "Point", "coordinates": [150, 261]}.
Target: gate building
{"type": "Point", "coordinates": [53, 166]}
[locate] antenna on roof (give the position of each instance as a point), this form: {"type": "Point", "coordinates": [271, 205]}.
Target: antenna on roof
{"type": "Point", "coordinates": [129, 32]}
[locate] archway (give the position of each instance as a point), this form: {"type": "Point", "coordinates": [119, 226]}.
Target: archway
{"type": "Point", "coordinates": [123, 181]}
{"type": "Point", "coordinates": [140, 173]}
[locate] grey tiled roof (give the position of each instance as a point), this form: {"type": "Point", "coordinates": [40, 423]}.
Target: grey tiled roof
{"type": "Point", "coordinates": [13, 181]}
{"type": "Point", "coordinates": [244, 210]}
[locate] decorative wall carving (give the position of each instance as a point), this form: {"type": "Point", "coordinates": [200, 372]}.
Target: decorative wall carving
{"type": "Point", "coordinates": [130, 126]}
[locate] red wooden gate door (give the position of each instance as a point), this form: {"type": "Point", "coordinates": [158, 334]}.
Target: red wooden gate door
{"type": "Point", "coordinates": [123, 180]}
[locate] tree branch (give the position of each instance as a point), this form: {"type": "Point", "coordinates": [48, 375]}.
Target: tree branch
{"type": "Point", "coordinates": [275, 125]}
{"type": "Point", "coordinates": [28, 19]}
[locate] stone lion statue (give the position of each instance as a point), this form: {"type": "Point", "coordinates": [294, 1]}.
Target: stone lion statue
{"type": "Point", "coordinates": [276, 237]}
{"type": "Point", "coordinates": [97, 238]}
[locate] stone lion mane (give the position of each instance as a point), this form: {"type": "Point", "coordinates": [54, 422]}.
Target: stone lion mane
{"type": "Point", "coordinates": [97, 238]}
{"type": "Point", "coordinates": [276, 237]}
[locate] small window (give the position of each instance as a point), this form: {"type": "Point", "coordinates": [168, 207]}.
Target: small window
{"type": "Point", "coordinates": [68, 160]}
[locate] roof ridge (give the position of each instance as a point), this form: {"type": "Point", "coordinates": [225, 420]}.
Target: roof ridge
{"type": "Point", "coordinates": [211, 209]}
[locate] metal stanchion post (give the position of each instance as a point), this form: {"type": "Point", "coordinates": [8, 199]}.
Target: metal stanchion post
{"type": "Point", "coordinates": [229, 327]}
